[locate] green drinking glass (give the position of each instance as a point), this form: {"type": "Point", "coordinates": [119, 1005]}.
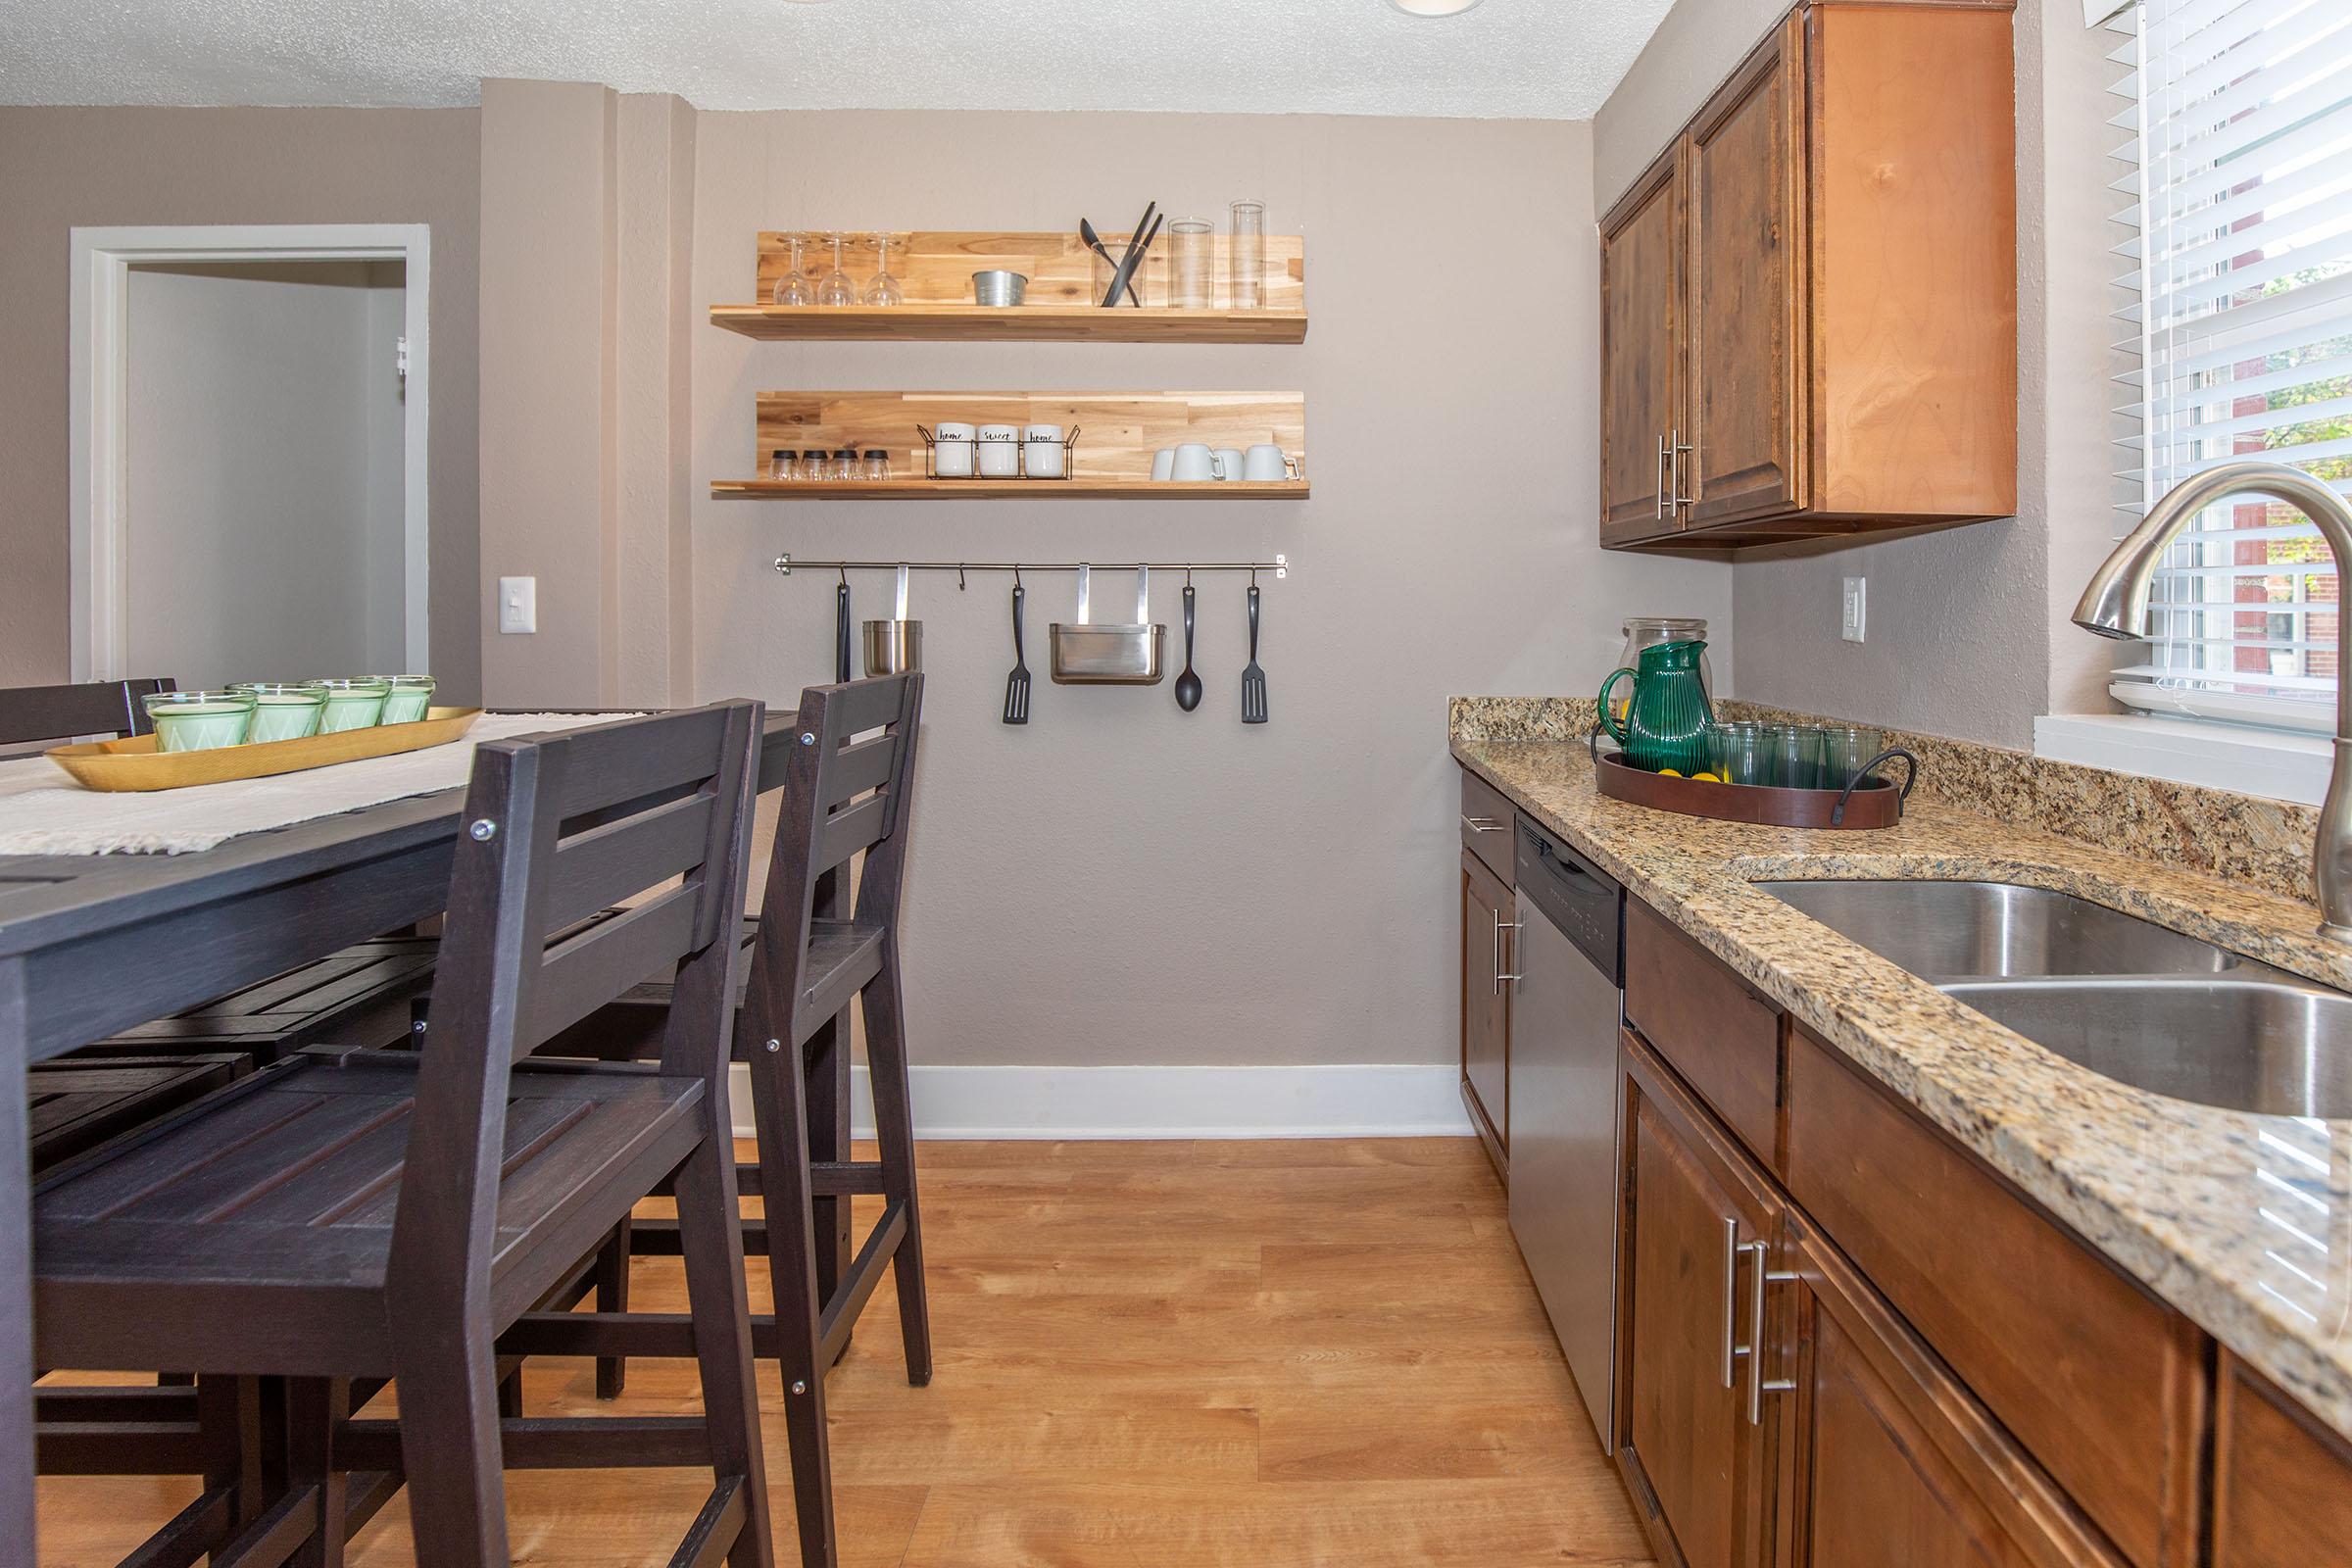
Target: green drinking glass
{"type": "Point", "coordinates": [352, 704]}
{"type": "Point", "coordinates": [198, 722]}
{"type": "Point", "coordinates": [1795, 752]}
{"type": "Point", "coordinates": [1846, 750]}
{"type": "Point", "coordinates": [1738, 753]}
{"type": "Point", "coordinates": [409, 699]}
{"type": "Point", "coordinates": [282, 710]}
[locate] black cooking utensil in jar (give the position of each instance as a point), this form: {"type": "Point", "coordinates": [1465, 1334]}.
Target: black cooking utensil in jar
{"type": "Point", "coordinates": [1187, 684]}
{"type": "Point", "coordinates": [1094, 242]}
{"type": "Point", "coordinates": [1016, 684]}
{"type": "Point", "coordinates": [1253, 679]}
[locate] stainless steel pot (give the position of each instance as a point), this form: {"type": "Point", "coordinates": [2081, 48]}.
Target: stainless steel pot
{"type": "Point", "coordinates": [1095, 653]}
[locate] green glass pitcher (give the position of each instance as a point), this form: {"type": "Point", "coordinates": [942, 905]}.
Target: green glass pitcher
{"type": "Point", "coordinates": [1665, 725]}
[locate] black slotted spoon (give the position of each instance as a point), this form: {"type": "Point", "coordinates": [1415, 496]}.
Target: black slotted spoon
{"type": "Point", "coordinates": [1016, 684]}
{"type": "Point", "coordinates": [1253, 679]}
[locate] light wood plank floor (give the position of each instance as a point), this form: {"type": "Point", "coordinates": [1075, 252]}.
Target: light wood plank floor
{"type": "Point", "coordinates": [1150, 1355]}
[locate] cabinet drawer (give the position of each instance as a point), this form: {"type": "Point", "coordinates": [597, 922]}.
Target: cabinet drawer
{"type": "Point", "coordinates": [1488, 824]}
{"type": "Point", "coordinates": [1707, 1023]}
{"type": "Point", "coordinates": [2282, 1484]}
{"type": "Point", "coordinates": [2101, 1383]}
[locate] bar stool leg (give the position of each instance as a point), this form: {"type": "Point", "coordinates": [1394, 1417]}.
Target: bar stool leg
{"type": "Point", "coordinates": [612, 1295]}
{"type": "Point", "coordinates": [894, 1130]}
{"type": "Point", "coordinates": [780, 1110]}
{"type": "Point", "coordinates": [315, 1406]}
{"type": "Point", "coordinates": [829, 1140]}
{"type": "Point", "coordinates": [449, 1438]}
{"type": "Point", "coordinates": [711, 1240]}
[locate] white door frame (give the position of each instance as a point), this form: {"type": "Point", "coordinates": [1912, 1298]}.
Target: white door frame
{"type": "Point", "coordinates": [97, 385]}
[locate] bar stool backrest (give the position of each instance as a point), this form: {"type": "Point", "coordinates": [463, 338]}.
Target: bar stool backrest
{"type": "Point", "coordinates": [848, 790]}
{"type": "Point", "coordinates": [109, 707]}
{"type": "Point", "coordinates": [557, 827]}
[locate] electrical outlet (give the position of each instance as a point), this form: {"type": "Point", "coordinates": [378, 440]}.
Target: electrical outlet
{"type": "Point", "coordinates": [1855, 603]}
{"type": "Point", "coordinates": [518, 604]}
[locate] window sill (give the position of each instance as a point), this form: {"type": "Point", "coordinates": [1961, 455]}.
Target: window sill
{"type": "Point", "coordinates": [2278, 763]}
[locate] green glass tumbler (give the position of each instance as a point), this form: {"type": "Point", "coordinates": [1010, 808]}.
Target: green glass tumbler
{"type": "Point", "coordinates": [198, 722]}
{"type": "Point", "coordinates": [1795, 752]}
{"type": "Point", "coordinates": [282, 710]}
{"type": "Point", "coordinates": [1738, 753]}
{"type": "Point", "coordinates": [1846, 750]}
{"type": "Point", "coordinates": [352, 704]}
{"type": "Point", "coordinates": [409, 699]}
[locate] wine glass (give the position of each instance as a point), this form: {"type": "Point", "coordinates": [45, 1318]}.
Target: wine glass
{"type": "Point", "coordinates": [835, 287]}
{"type": "Point", "coordinates": [884, 289]}
{"type": "Point", "coordinates": [793, 287]}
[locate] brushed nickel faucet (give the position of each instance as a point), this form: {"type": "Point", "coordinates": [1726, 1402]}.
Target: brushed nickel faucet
{"type": "Point", "coordinates": [2115, 604]}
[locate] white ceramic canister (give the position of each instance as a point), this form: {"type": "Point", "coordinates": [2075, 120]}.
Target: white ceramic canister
{"type": "Point", "coordinates": [1043, 456]}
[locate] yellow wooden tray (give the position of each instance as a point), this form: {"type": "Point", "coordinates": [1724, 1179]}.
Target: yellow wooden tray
{"type": "Point", "coordinates": [134, 762]}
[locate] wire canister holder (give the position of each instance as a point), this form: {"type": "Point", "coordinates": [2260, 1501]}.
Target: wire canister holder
{"type": "Point", "coordinates": [968, 447]}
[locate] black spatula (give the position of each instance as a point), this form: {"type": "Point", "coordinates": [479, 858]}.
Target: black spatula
{"type": "Point", "coordinates": [1016, 684]}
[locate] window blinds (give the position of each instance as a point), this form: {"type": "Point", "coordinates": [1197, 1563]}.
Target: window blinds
{"type": "Point", "coordinates": [2238, 192]}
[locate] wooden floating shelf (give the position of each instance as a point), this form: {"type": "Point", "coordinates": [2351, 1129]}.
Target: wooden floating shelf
{"type": "Point", "coordinates": [1004, 490]}
{"type": "Point", "coordinates": [1117, 434]}
{"type": "Point", "coordinates": [1022, 324]}
{"type": "Point", "coordinates": [935, 267]}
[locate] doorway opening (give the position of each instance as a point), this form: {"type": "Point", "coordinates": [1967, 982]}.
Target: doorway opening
{"type": "Point", "coordinates": [249, 417]}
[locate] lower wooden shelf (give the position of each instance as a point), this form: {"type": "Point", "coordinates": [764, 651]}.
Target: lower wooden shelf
{"type": "Point", "coordinates": [1007, 490]}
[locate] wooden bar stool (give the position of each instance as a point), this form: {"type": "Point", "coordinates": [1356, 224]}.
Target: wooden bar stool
{"type": "Point", "coordinates": [356, 1215]}
{"type": "Point", "coordinates": [812, 952]}
{"type": "Point", "coordinates": [111, 709]}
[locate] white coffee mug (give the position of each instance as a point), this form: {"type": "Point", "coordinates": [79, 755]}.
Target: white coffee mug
{"type": "Point", "coordinates": [1229, 463]}
{"type": "Point", "coordinates": [1163, 463]}
{"type": "Point", "coordinates": [1041, 450]}
{"type": "Point", "coordinates": [952, 451]}
{"type": "Point", "coordinates": [1000, 451]}
{"type": "Point", "coordinates": [1195, 463]}
{"type": "Point", "coordinates": [1264, 463]}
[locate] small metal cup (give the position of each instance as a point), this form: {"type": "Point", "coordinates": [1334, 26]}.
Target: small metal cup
{"type": "Point", "coordinates": [893, 647]}
{"type": "Point", "coordinates": [999, 287]}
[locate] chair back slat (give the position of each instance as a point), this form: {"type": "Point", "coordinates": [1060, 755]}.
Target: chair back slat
{"type": "Point", "coordinates": [608, 767]}
{"type": "Point", "coordinates": [851, 830]}
{"type": "Point", "coordinates": [559, 821]}
{"type": "Point", "coordinates": [857, 707]}
{"type": "Point", "coordinates": [110, 707]}
{"type": "Point", "coordinates": [618, 860]}
{"type": "Point", "coordinates": [859, 766]}
{"type": "Point", "coordinates": [577, 976]}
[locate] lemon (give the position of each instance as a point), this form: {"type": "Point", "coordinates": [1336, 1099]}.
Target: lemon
{"type": "Point", "coordinates": [1668, 773]}
{"type": "Point", "coordinates": [1709, 778]}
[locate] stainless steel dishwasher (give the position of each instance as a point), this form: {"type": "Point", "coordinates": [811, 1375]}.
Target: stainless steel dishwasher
{"type": "Point", "coordinates": [1564, 1097]}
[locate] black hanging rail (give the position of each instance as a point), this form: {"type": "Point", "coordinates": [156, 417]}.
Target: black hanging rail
{"type": "Point", "coordinates": [1280, 566]}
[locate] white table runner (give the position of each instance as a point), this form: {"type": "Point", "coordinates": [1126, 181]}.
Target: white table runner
{"type": "Point", "coordinates": [42, 812]}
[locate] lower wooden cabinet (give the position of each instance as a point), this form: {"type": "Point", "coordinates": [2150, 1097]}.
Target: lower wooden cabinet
{"type": "Point", "coordinates": [1693, 1219]}
{"type": "Point", "coordinates": [2281, 1482]}
{"type": "Point", "coordinates": [1488, 926]}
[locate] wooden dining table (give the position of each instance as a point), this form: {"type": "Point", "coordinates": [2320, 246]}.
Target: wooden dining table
{"type": "Point", "coordinates": [94, 944]}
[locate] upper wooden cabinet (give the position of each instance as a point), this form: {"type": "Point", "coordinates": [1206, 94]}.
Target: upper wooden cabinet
{"type": "Point", "coordinates": [1809, 301]}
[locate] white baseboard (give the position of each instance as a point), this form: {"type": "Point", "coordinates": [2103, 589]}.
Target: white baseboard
{"type": "Point", "coordinates": [1368, 1100]}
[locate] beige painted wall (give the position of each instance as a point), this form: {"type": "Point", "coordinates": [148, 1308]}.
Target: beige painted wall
{"type": "Point", "coordinates": [67, 167]}
{"type": "Point", "coordinates": [1120, 882]}
{"type": "Point", "coordinates": [1968, 632]}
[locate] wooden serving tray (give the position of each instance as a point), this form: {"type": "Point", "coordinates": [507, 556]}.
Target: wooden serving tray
{"type": "Point", "coordinates": [134, 762]}
{"type": "Point", "coordinates": [1878, 804]}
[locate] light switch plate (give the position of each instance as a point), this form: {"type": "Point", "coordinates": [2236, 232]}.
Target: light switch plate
{"type": "Point", "coordinates": [518, 604]}
{"type": "Point", "coordinates": [1855, 602]}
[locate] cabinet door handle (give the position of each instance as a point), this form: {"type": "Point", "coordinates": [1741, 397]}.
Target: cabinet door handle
{"type": "Point", "coordinates": [1757, 1386]}
{"type": "Point", "coordinates": [1665, 479]}
{"type": "Point", "coordinates": [1481, 824]}
{"type": "Point", "coordinates": [1501, 926]}
{"type": "Point", "coordinates": [1680, 446]}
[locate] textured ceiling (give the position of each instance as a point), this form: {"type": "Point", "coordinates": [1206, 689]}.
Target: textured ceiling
{"type": "Point", "coordinates": [1537, 59]}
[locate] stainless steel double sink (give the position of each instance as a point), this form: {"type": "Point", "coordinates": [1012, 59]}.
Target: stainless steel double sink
{"type": "Point", "coordinates": [2120, 996]}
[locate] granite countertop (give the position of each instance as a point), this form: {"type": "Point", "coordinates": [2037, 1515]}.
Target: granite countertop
{"type": "Point", "coordinates": [2242, 1222]}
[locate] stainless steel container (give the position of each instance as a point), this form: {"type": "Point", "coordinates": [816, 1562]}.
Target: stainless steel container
{"type": "Point", "coordinates": [999, 287]}
{"type": "Point", "coordinates": [1095, 653]}
{"type": "Point", "coordinates": [894, 647]}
